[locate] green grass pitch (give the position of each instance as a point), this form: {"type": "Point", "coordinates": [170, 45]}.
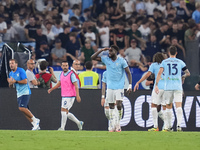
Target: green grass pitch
{"type": "Point", "coordinates": [98, 140]}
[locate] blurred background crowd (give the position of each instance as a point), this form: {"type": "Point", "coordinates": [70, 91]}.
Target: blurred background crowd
{"type": "Point", "coordinates": [75, 29]}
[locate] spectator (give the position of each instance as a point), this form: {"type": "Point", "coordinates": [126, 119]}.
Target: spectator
{"type": "Point", "coordinates": [182, 11]}
{"type": "Point", "coordinates": [140, 7]}
{"type": "Point", "coordinates": [39, 37]}
{"type": "Point", "coordinates": [180, 49]}
{"type": "Point", "coordinates": [175, 3]}
{"type": "Point", "coordinates": [72, 47]}
{"type": "Point", "coordinates": [45, 78]}
{"type": "Point", "coordinates": [86, 51]}
{"type": "Point", "coordinates": [89, 34]}
{"type": "Point", "coordinates": [64, 36]}
{"type": "Point", "coordinates": [65, 14]}
{"type": "Point", "coordinates": [134, 54]}
{"type": "Point", "coordinates": [150, 5]}
{"type": "Point", "coordinates": [104, 34]}
{"type": "Point", "coordinates": [11, 34]}
{"type": "Point", "coordinates": [191, 6]}
{"type": "Point", "coordinates": [32, 81]}
{"type": "Point", "coordinates": [86, 15]}
{"type": "Point", "coordinates": [58, 53]}
{"type": "Point", "coordinates": [129, 8]}
{"type": "Point", "coordinates": [153, 47]}
{"type": "Point", "coordinates": [75, 67]}
{"type": "Point", "coordinates": [3, 27]}
{"type": "Point", "coordinates": [115, 14]}
{"type": "Point", "coordinates": [162, 7]}
{"type": "Point", "coordinates": [48, 32]}
{"type": "Point", "coordinates": [161, 34]}
{"type": "Point", "coordinates": [175, 32]}
{"type": "Point", "coordinates": [86, 4]}
{"type": "Point", "coordinates": [30, 29]}
{"type": "Point", "coordinates": [57, 29]}
{"type": "Point", "coordinates": [196, 13]}
{"type": "Point", "coordinates": [89, 79]}
{"type": "Point", "coordinates": [120, 37]}
{"type": "Point", "coordinates": [190, 34]}
{"type": "Point", "coordinates": [19, 27]}
{"type": "Point", "coordinates": [144, 29]}
{"type": "Point", "coordinates": [43, 51]}
{"type": "Point", "coordinates": [134, 33]}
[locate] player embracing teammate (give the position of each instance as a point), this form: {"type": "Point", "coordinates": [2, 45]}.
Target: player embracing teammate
{"type": "Point", "coordinates": [116, 68]}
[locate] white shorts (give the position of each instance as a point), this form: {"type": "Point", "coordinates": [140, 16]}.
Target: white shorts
{"type": "Point", "coordinates": [67, 102]}
{"type": "Point", "coordinates": [157, 98]}
{"type": "Point", "coordinates": [113, 95]}
{"type": "Point", "coordinates": [169, 96]}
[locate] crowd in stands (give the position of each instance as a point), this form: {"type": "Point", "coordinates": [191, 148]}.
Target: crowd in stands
{"type": "Point", "coordinates": [75, 29]}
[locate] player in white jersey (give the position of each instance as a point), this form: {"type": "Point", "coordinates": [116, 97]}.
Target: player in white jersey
{"type": "Point", "coordinates": [157, 99]}
{"type": "Point", "coordinates": [172, 68]}
{"type": "Point", "coordinates": [116, 68]}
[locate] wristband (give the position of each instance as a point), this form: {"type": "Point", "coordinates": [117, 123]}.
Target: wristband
{"type": "Point", "coordinates": [103, 96]}
{"type": "Point", "coordinates": [130, 86]}
{"type": "Point", "coordinates": [16, 82]}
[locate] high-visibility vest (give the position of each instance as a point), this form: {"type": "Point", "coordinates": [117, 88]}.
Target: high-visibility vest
{"type": "Point", "coordinates": [89, 79]}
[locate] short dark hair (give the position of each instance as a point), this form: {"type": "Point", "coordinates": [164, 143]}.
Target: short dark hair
{"type": "Point", "coordinates": [14, 60]}
{"type": "Point", "coordinates": [88, 65]}
{"type": "Point", "coordinates": [43, 65]}
{"type": "Point", "coordinates": [172, 50]}
{"type": "Point", "coordinates": [115, 47]}
{"type": "Point", "coordinates": [64, 61]}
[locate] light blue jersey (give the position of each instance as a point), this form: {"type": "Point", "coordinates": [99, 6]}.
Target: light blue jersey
{"type": "Point", "coordinates": [18, 75]}
{"type": "Point", "coordinates": [172, 73]}
{"type": "Point", "coordinates": [104, 77]}
{"type": "Point", "coordinates": [115, 72]}
{"type": "Point", "coordinates": [73, 77]}
{"type": "Point", "coordinates": [154, 68]}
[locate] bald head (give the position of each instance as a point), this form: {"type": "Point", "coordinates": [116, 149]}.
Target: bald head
{"type": "Point", "coordinates": [30, 64]}
{"type": "Point", "coordinates": [76, 65]}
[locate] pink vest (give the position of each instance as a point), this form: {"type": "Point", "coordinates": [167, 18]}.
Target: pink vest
{"type": "Point", "coordinates": [67, 87]}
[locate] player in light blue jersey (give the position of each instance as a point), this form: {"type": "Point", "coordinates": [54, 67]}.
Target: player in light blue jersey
{"type": "Point", "coordinates": [172, 68]}
{"type": "Point", "coordinates": [116, 68]}
{"type": "Point", "coordinates": [157, 99]}
{"type": "Point", "coordinates": [104, 100]}
{"type": "Point", "coordinates": [18, 78]}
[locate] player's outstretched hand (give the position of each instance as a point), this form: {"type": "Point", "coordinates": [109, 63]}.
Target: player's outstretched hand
{"type": "Point", "coordinates": [156, 89]}
{"type": "Point", "coordinates": [102, 102]}
{"type": "Point", "coordinates": [49, 91]}
{"type": "Point", "coordinates": [136, 87]}
{"type": "Point", "coordinates": [78, 98]}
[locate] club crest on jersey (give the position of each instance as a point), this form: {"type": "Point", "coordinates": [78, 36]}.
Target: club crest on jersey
{"type": "Point", "coordinates": [18, 74]}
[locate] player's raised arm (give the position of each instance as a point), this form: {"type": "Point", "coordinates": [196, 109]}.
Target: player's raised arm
{"type": "Point", "coordinates": [141, 80]}
{"type": "Point", "coordinates": [95, 55]}
{"type": "Point", "coordinates": [55, 87]}
{"type": "Point", "coordinates": [158, 79]}
{"type": "Point", "coordinates": [129, 89]}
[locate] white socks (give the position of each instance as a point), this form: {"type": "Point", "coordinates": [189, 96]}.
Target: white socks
{"type": "Point", "coordinates": [34, 120]}
{"type": "Point", "coordinates": [106, 111]}
{"type": "Point", "coordinates": [112, 116]}
{"type": "Point", "coordinates": [155, 116]}
{"type": "Point", "coordinates": [63, 119]}
{"type": "Point", "coordinates": [168, 118]}
{"type": "Point", "coordinates": [73, 118]}
{"type": "Point", "coordinates": [179, 115]}
{"type": "Point", "coordinates": [161, 115]}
